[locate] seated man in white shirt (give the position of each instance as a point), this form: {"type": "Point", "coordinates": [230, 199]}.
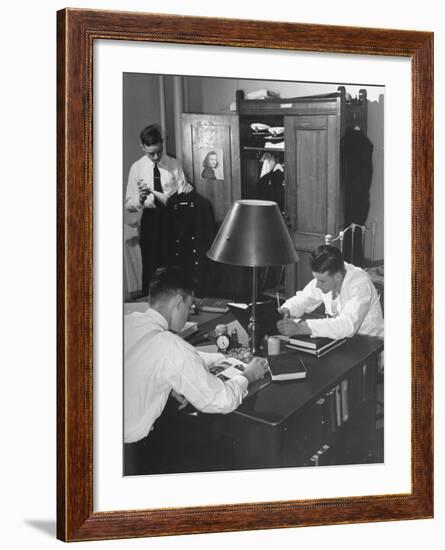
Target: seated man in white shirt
{"type": "Point", "coordinates": [351, 301]}
{"type": "Point", "coordinates": [157, 361]}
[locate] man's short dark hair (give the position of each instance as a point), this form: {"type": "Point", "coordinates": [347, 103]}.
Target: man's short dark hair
{"type": "Point", "coordinates": [168, 281]}
{"type": "Point", "coordinates": [151, 135]}
{"type": "Point", "coordinates": [327, 259]}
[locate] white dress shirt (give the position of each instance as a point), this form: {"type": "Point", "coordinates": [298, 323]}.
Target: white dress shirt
{"type": "Point", "coordinates": [172, 180]}
{"type": "Point", "coordinates": [356, 309]}
{"type": "Point", "coordinates": [157, 361]}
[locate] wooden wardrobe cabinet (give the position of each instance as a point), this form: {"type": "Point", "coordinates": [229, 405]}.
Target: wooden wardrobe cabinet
{"type": "Point", "coordinates": [313, 197]}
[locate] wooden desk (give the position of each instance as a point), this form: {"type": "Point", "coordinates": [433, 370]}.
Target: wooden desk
{"type": "Point", "coordinates": [331, 413]}
{"type": "Point", "coordinates": [329, 418]}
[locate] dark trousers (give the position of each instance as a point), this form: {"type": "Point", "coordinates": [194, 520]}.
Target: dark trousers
{"type": "Point", "coordinates": [147, 456]}
{"type": "Point", "coordinates": [151, 237]}
{"type": "Point", "coordinates": [180, 442]}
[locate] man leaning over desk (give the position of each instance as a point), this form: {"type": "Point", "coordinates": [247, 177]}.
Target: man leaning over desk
{"type": "Point", "coordinates": [158, 362]}
{"type": "Point", "coordinates": [351, 301]}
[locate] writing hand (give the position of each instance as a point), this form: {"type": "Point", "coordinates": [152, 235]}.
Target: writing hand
{"type": "Point", "coordinates": [292, 327]}
{"type": "Point", "coordinates": [256, 369]}
{"type": "Point", "coordinates": [284, 312]}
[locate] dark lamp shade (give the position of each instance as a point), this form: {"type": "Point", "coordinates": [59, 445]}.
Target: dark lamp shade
{"type": "Point", "coordinates": [253, 234]}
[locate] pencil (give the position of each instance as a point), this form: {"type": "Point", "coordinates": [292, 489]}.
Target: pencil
{"type": "Point", "coordinates": [278, 300]}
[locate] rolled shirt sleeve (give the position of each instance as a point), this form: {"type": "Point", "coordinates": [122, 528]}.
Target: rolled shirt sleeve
{"type": "Point", "coordinates": [180, 178]}
{"type": "Point", "coordinates": [305, 300]}
{"type": "Point", "coordinates": [349, 320]}
{"type": "Point", "coordinates": [188, 376]}
{"type": "Point", "coordinates": [210, 358]}
{"type": "Point", "coordinates": [132, 202]}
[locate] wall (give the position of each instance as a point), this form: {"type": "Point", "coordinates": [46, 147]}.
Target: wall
{"type": "Point", "coordinates": [214, 95]}
{"type": "Point", "coordinates": [28, 277]}
{"type": "Point", "coordinates": [141, 106]}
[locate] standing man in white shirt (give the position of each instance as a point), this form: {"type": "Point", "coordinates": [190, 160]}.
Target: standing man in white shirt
{"type": "Point", "coordinates": [157, 361]}
{"type": "Point", "coordinates": [351, 301]}
{"type": "Point", "coordinates": [151, 181]}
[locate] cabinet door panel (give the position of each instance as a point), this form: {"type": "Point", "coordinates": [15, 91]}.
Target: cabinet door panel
{"type": "Point", "coordinates": [203, 134]}
{"type": "Point", "coordinates": [312, 186]}
{"type": "Point", "coordinates": [311, 176]}
{"type": "Point", "coordinates": [220, 133]}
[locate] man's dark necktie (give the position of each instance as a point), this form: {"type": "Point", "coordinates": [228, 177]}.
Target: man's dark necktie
{"type": "Point", "coordinates": [157, 179]}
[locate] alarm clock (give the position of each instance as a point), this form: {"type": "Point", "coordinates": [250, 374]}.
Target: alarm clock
{"type": "Point", "coordinates": [223, 343]}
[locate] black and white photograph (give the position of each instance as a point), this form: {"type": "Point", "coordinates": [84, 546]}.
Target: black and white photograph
{"type": "Point", "coordinates": [212, 163]}
{"type": "Point", "coordinates": [253, 274]}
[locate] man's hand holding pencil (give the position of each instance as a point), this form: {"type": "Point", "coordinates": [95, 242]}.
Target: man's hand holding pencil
{"type": "Point", "coordinates": [282, 310]}
{"type": "Point", "coordinates": [290, 326]}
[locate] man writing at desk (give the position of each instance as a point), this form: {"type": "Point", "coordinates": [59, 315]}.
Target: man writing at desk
{"type": "Point", "coordinates": [157, 361]}
{"type": "Point", "coordinates": [348, 294]}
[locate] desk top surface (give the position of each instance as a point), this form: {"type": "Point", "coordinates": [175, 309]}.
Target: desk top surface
{"type": "Point", "coordinates": [278, 400]}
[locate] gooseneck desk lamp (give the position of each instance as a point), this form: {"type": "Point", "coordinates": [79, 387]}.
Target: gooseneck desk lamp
{"type": "Point", "coordinates": [253, 234]}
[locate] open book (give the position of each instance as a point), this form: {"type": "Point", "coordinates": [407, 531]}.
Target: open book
{"type": "Point", "coordinates": [229, 367]}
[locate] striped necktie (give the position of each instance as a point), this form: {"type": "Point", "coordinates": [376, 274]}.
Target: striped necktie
{"type": "Point", "coordinates": [157, 179]}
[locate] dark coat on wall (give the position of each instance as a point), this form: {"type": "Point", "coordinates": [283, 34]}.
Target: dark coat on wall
{"type": "Point", "coordinates": [356, 177]}
{"type": "Point", "coordinates": [271, 188]}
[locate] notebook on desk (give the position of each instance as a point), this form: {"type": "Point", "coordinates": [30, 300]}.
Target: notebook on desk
{"type": "Point", "coordinates": [314, 346]}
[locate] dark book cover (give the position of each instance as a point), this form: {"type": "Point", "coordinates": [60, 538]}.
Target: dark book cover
{"type": "Point", "coordinates": [338, 405]}
{"type": "Point", "coordinates": [266, 316]}
{"type": "Point", "coordinates": [286, 366]}
{"type": "Point", "coordinates": [332, 411]}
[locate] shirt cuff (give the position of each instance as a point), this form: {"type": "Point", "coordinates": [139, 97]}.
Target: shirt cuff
{"type": "Point", "coordinates": [288, 305]}
{"type": "Point", "coordinates": [312, 324]}
{"type": "Point", "coordinates": [321, 328]}
{"type": "Point", "coordinates": [242, 382]}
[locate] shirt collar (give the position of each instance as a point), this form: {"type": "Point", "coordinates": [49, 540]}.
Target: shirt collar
{"type": "Point", "coordinates": [348, 272]}
{"type": "Point", "coordinates": [151, 164]}
{"type": "Point", "coordinates": [157, 318]}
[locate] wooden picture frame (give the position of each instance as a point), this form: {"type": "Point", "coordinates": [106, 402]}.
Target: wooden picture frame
{"type": "Point", "coordinates": [77, 31]}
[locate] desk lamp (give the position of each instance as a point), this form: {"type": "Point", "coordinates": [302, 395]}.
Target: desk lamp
{"type": "Point", "coordinates": [253, 234]}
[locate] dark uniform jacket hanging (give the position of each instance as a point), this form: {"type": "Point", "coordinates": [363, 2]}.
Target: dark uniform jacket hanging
{"type": "Point", "coordinates": [356, 176]}
{"type": "Point", "coordinates": [189, 232]}
{"type": "Point", "coordinates": [271, 187]}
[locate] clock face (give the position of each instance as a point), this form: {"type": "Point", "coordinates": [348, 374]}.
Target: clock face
{"type": "Point", "coordinates": [222, 342]}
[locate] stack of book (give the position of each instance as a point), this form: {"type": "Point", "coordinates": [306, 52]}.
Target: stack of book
{"type": "Point", "coordinates": [314, 346]}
